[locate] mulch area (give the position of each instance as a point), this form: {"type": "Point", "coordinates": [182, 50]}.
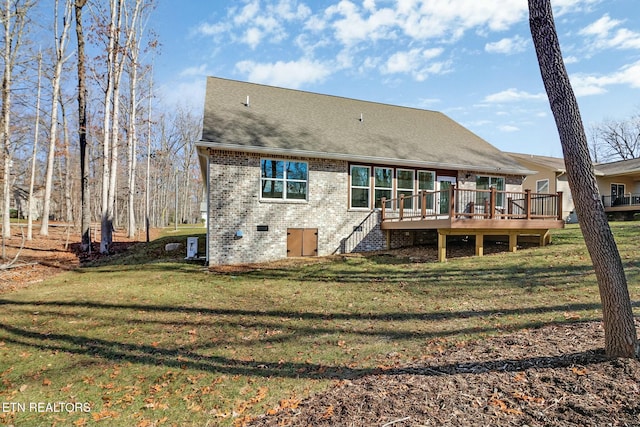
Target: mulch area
{"type": "Point", "coordinates": [553, 376]}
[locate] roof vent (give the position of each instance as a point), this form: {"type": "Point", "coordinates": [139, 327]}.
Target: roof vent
{"type": "Point", "coordinates": [361, 117]}
{"type": "Point", "coordinates": [246, 104]}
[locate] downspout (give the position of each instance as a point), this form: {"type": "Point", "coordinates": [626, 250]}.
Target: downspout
{"type": "Point", "coordinates": [208, 197]}
{"type": "Point", "coordinates": [208, 208]}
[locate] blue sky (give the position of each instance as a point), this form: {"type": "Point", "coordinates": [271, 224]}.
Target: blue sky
{"type": "Point", "coordinates": [471, 59]}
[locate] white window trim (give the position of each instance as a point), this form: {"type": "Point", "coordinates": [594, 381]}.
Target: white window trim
{"type": "Point", "coordinates": [412, 189]}
{"type": "Point", "coordinates": [375, 187]}
{"type": "Point", "coordinates": [284, 181]}
{"type": "Point", "coordinates": [351, 187]}
{"type": "Point", "coordinates": [538, 185]}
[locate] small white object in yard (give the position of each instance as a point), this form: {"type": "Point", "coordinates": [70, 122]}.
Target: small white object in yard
{"type": "Point", "coordinates": [169, 247]}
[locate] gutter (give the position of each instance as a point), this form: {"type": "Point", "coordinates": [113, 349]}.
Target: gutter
{"type": "Point", "coordinates": [360, 158]}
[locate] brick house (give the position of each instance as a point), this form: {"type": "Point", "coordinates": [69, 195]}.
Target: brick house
{"type": "Point", "coordinates": [294, 173]}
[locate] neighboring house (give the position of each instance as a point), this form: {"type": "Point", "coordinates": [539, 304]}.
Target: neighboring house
{"type": "Point", "coordinates": [618, 182]}
{"type": "Point", "coordinates": [293, 173]}
{"type": "Point", "coordinates": [550, 177]}
{"type": "Point", "coordinates": [20, 201]}
{"type": "Point", "coordinates": [619, 185]}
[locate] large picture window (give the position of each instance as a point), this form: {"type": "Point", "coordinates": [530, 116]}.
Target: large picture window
{"type": "Point", "coordinates": [360, 185]}
{"type": "Point", "coordinates": [283, 179]}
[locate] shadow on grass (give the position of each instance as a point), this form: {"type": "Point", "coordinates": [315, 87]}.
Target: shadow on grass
{"type": "Point", "coordinates": [182, 359]}
{"type": "Point", "coordinates": [193, 356]}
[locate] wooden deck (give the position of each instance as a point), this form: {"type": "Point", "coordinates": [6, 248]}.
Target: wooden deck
{"type": "Point", "coordinates": [475, 212]}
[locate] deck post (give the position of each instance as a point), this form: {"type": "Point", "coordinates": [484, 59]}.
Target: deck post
{"type": "Point", "coordinates": [560, 206]}
{"type": "Point", "coordinates": [528, 202]}
{"type": "Point", "coordinates": [383, 201]}
{"type": "Point", "coordinates": [423, 204]}
{"type": "Point", "coordinates": [492, 203]}
{"type": "Point", "coordinates": [401, 201]}
{"type": "Point", "coordinates": [479, 244]}
{"type": "Point", "coordinates": [442, 247]}
{"type": "Point", "coordinates": [452, 201]}
{"type": "Point", "coordinates": [513, 241]}
{"type": "Point", "coordinates": [509, 206]}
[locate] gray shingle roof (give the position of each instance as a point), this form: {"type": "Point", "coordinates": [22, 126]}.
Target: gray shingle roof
{"type": "Point", "coordinates": [287, 121]}
{"type": "Point", "coordinates": [622, 167]}
{"type": "Point", "coordinates": [555, 164]}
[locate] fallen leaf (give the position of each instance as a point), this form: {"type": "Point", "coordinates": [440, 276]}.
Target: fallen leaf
{"type": "Point", "coordinates": [46, 382]}
{"type": "Point", "coordinates": [571, 316]}
{"type": "Point", "coordinates": [579, 372]}
{"type": "Point", "coordinates": [328, 413]}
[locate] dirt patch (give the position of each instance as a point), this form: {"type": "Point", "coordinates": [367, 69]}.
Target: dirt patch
{"type": "Point", "coordinates": [553, 376]}
{"type": "Point", "coordinates": [45, 256]}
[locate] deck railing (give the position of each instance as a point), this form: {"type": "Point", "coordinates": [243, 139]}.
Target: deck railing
{"type": "Point", "coordinates": [625, 200]}
{"type": "Point", "coordinates": [472, 204]}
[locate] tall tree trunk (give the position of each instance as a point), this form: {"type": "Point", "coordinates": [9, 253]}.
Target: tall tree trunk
{"type": "Point", "coordinates": [60, 47]}
{"type": "Point", "coordinates": [85, 227]}
{"type": "Point", "coordinates": [66, 177]}
{"type": "Point", "coordinates": [132, 145]}
{"type": "Point", "coordinates": [147, 212]}
{"type": "Point", "coordinates": [620, 332]}
{"type": "Point", "coordinates": [6, 125]}
{"type": "Point", "coordinates": [35, 152]}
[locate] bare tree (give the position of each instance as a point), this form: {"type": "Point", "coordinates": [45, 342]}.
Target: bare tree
{"type": "Point", "coordinates": [134, 65]}
{"type": "Point", "coordinates": [34, 155]}
{"type": "Point", "coordinates": [122, 19]}
{"type": "Point", "coordinates": [620, 332]}
{"type": "Point", "coordinates": [85, 226]}
{"type": "Point", "coordinates": [14, 15]}
{"type": "Point", "coordinates": [618, 139]}
{"type": "Point", "coordinates": [61, 41]}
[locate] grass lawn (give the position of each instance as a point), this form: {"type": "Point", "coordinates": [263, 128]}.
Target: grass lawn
{"type": "Point", "coordinates": [145, 340]}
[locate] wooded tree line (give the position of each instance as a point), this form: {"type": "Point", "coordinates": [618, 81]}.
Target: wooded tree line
{"type": "Point", "coordinates": [82, 137]}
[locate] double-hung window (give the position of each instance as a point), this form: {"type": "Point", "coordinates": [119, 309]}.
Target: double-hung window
{"type": "Point", "coordinates": [405, 184]}
{"type": "Point", "coordinates": [360, 185]}
{"type": "Point", "coordinates": [284, 179]}
{"type": "Point", "coordinates": [426, 181]}
{"type": "Point", "coordinates": [383, 184]}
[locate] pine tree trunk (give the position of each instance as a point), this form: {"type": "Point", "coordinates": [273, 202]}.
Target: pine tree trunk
{"type": "Point", "coordinates": [620, 332]}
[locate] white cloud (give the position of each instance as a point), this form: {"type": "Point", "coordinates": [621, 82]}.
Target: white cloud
{"type": "Point", "coordinates": [253, 24]}
{"type": "Point", "coordinates": [508, 128]}
{"type": "Point", "coordinates": [292, 74]}
{"type": "Point", "coordinates": [601, 27]}
{"type": "Point", "coordinates": [605, 34]}
{"type": "Point", "coordinates": [512, 95]}
{"type": "Point", "coordinates": [198, 71]}
{"type": "Point", "coordinates": [351, 27]}
{"type": "Point", "coordinates": [508, 46]}
{"type": "Point", "coordinates": [248, 12]}
{"type": "Point", "coordinates": [189, 94]}
{"type": "Point", "coordinates": [587, 84]}
{"type": "Point", "coordinates": [416, 62]}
